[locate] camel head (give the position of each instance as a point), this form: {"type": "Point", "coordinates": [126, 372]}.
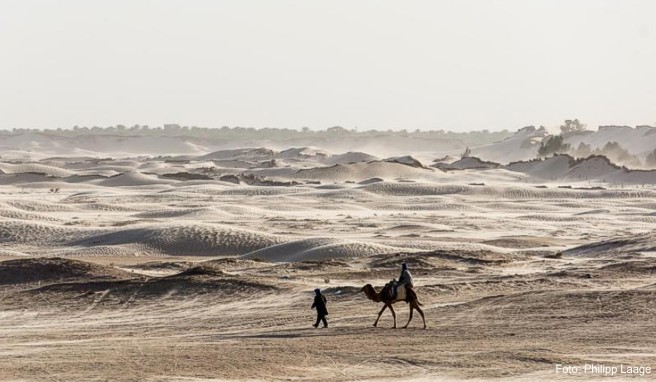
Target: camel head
{"type": "Point", "coordinates": [371, 293]}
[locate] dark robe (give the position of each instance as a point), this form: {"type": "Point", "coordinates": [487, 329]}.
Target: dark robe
{"type": "Point", "coordinates": [320, 304]}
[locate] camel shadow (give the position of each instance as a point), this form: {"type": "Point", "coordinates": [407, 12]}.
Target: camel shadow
{"type": "Point", "coordinates": [311, 332]}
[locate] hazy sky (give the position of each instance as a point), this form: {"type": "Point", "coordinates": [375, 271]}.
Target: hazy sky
{"type": "Point", "coordinates": [456, 65]}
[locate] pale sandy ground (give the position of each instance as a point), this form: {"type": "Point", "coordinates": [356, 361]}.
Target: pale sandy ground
{"type": "Point", "coordinates": [176, 296]}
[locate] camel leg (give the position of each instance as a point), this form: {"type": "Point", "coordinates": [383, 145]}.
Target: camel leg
{"type": "Point", "coordinates": [422, 315]}
{"type": "Point", "coordinates": [379, 314]}
{"type": "Point", "coordinates": [393, 315]}
{"type": "Point", "coordinates": [409, 318]}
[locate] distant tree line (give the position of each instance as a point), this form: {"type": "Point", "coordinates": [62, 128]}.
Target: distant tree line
{"type": "Point", "coordinates": [237, 133]}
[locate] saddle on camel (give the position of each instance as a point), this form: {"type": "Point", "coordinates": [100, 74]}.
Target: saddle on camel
{"type": "Point", "coordinates": [394, 292]}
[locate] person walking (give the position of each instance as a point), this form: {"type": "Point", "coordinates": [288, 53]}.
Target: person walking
{"type": "Point", "coordinates": [320, 305]}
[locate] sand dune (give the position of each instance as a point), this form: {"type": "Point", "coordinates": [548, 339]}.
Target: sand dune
{"type": "Point", "coordinates": [349, 157]}
{"type": "Point", "coordinates": [188, 239]}
{"type": "Point", "coordinates": [133, 178]}
{"type": "Point", "coordinates": [55, 270]}
{"type": "Point", "coordinates": [317, 249]}
{"type": "Point", "coordinates": [8, 168]}
{"type": "Point", "coordinates": [509, 192]}
{"type": "Point", "coordinates": [639, 140]}
{"type": "Point", "coordinates": [407, 160]}
{"type": "Point", "coordinates": [104, 251]}
{"type": "Point", "coordinates": [630, 269]}
{"type": "Point", "coordinates": [251, 154]}
{"type": "Point", "coordinates": [40, 205]}
{"type": "Point", "coordinates": [24, 179]}
{"type": "Point", "coordinates": [631, 244]}
{"type": "Point", "coordinates": [603, 170]}
{"type": "Point", "coordinates": [371, 181]}
{"type": "Point", "coordinates": [407, 189]}
{"type": "Point", "coordinates": [550, 168]}
{"type": "Point", "coordinates": [11, 212]}
{"type": "Point", "coordinates": [39, 233]}
{"type": "Point", "coordinates": [303, 154]}
{"type": "Point", "coordinates": [190, 214]}
{"type": "Point", "coordinates": [594, 168]}
{"type": "Point", "coordinates": [522, 145]}
{"type": "Point", "coordinates": [362, 171]}
{"type": "Point", "coordinates": [592, 304]}
{"type": "Point", "coordinates": [468, 163]}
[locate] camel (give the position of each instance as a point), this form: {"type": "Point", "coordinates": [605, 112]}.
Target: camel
{"type": "Point", "coordinates": [385, 296]}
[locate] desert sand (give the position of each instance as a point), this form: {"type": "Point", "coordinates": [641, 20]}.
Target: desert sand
{"type": "Point", "coordinates": [202, 266]}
